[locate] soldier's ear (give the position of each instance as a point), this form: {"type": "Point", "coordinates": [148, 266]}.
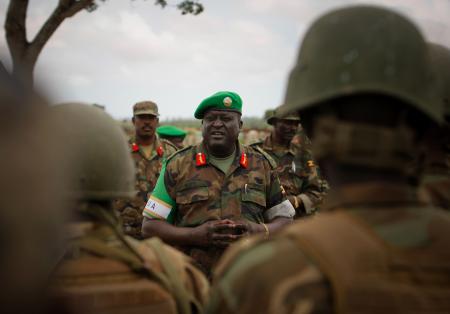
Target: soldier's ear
{"type": "Point", "coordinates": [241, 123]}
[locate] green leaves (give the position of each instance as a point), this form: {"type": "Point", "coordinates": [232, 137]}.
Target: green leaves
{"type": "Point", "coordinates": [186, 6]}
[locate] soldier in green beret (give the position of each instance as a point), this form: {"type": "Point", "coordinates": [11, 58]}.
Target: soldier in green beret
{"type": "Point", "coordinates": [213, 194]}
{"type": "Point", "coordinates": [172, 134]}
{"type": "Point", "coordinates": [148, 152]}
{"type": "Point", "coordinates": [289, 146]}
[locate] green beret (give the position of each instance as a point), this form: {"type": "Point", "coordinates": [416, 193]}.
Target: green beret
{"type": "Point", "coordinates": [171, 131]}
{"type": "Point", "coordinates": [220, 101]}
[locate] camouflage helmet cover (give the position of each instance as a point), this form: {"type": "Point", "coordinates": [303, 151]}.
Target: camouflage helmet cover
{"type": "Point", "coordinates": [361, 49]}
{"type": "Point", "coordinates": [100, 162]}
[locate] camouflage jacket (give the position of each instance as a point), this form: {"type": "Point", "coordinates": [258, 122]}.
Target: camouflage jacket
{"type": "Point", "coordinates": [196, 191]}
{"type": "Point", "coordinates": [298, 172]}
{"type": "Point", "coordinates": [335, 275]}
{"type": "Point", "coordinates": [147, 172]}
{"type": "Point", "coordinates": [103, 265]}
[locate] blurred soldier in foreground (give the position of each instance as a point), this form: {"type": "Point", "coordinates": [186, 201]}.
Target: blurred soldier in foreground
{"type": "Point", "coordinates": [172, 134]}
{"type": "Point", "coordinates": [216, 192]}
{"type": "Point", "coordinates": [30, 199]}
{"type": "Point", "coordinates": [435, 185]}
{"type": "Point", "coordinates": [297, 170]}
{"type": "Point", "coordinates": [378, 250]}
{"type": "Point", "coordinates": [148, 153]}
{"type": "Point", "coordinates": [104, 271]}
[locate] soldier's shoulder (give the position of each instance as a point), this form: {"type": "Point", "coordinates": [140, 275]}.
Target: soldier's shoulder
{"type": "Point", "coordinates": [169, 147]}
{"type": "Point", "coordinates": [182, 153]}
{"type": "Point", "coordinates": [274, 262]}
{"type": "Point", "coordinates": [257, 152]}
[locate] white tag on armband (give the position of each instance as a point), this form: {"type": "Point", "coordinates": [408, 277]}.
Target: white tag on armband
{"type": "Point", "coordinates": [157, 209]}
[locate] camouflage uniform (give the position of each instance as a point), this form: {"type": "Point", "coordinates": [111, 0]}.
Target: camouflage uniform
{"type": "Point", "coordinates": [298, 172]}
{"type": "Point", "coordinates": [147, 172]}
{"type": "Point", "coordinates": [104, 271]}
{"type": "Point", "coordinates": [302, 281]}
{"type": "Point", "coordinates": [250, 190]}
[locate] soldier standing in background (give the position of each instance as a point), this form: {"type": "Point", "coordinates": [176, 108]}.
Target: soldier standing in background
{"type": "Point", "coordinates": [102, 270]}
{"type": "Point", "coordinates": [172, 134]}
{"type": "Point", "coordinates": [366, 104]}
{"type": "Point", "coordinates": [212, 194]}
{"type": "Point", "coordinates": [148, 153]}
{"type": "Point", "coordinates": [288, 146]}
{"type": "Point", "coordinates": [435, 184]}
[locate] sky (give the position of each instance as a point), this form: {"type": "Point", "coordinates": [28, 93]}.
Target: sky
{"type": "Point", "coordinates": [131, 50]}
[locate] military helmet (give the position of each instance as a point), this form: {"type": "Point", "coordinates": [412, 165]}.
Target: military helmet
{"type": "Point", "coordinates": [271, 114]}
{"type": "Point", "coordinates": [100, 161]}
{"type": "Point", "coordinates": [440, 62]}
{"type": "Point", "coordinates": [361, 49]}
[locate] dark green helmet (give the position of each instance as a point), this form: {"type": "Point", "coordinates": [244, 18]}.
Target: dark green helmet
{"type": "Point", "coordinates": [361, 49]}
{"type": "Point", "coordinates": [440, 62]}
{"type": "Point", "coordinates": [101, 164]}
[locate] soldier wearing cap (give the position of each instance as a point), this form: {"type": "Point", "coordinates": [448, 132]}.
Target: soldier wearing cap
{"type": "Point", "coordinates": [375, 248]}
{"type": "Point", "coordinates": [212, 194]}
{"type": "Point", "coordinates": [289, 146]}
{"type": "Point", "coordinates": [172, 134]}
{"type": "Point", "coordinates": [148, 152]}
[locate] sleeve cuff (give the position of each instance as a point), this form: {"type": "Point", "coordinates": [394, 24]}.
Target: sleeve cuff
{"type": "Point", "coordinates": [284, 209]}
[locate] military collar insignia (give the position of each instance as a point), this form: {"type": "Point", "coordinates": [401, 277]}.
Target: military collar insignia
{"type": "Point", "coordinates": [244, 160]}
{"type": "Point", "coordinates": [160, 151]}
{"type": "Point", "coordinates": [227, 102]}
{"type": "Point", "coordinates": [200, 159]}
{"type": "Point", "coordinates": [134, 147]}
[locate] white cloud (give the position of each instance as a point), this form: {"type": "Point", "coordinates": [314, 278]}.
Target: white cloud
{"type": "Point", "coordinates": [131, 50]}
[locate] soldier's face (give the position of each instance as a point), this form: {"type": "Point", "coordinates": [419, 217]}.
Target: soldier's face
{"type": "Point", "coordinates": [145, 125]}
{"type": "Point", "coordinates": [285, 129]}
{"type": "Point", "coordinates": [221, 130]}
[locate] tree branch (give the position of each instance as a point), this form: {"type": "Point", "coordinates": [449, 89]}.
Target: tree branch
{"type": "Point", "coordinates": [15, 28]}
{"type": "Point", "coordinates": [76, 6]}
{"type": "Point", "coordinates": [65, 9]}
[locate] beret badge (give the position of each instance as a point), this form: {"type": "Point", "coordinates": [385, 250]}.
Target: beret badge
{"type": "Point", "coordinates": [227, 102]}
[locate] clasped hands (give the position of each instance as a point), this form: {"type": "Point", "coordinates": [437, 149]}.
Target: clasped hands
{"type": "Point", "coordinates": [221, 233]}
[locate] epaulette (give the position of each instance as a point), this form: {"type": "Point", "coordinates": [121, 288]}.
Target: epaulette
{"type": "Point", "coordinates": [269, 158]}
{"type": "Point", "coordinates": [178, 152]}
{"type": "Point", "coordinates": [258, 143]}
{"type": "Point", "coordinates": [169, 143]}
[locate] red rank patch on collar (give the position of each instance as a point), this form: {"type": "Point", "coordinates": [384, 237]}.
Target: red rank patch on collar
{"type": "Point", "coordinates": [244, 160]}
{"type": "Point", "coordinates": [160, 151]}
{"type": "Point", "coordinates": [134, 147]}
{"type": "Point", "coordinates": [200, 159]}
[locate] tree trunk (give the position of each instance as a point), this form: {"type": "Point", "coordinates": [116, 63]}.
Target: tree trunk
{"type": "Point", "coordinates": [24, 54]}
